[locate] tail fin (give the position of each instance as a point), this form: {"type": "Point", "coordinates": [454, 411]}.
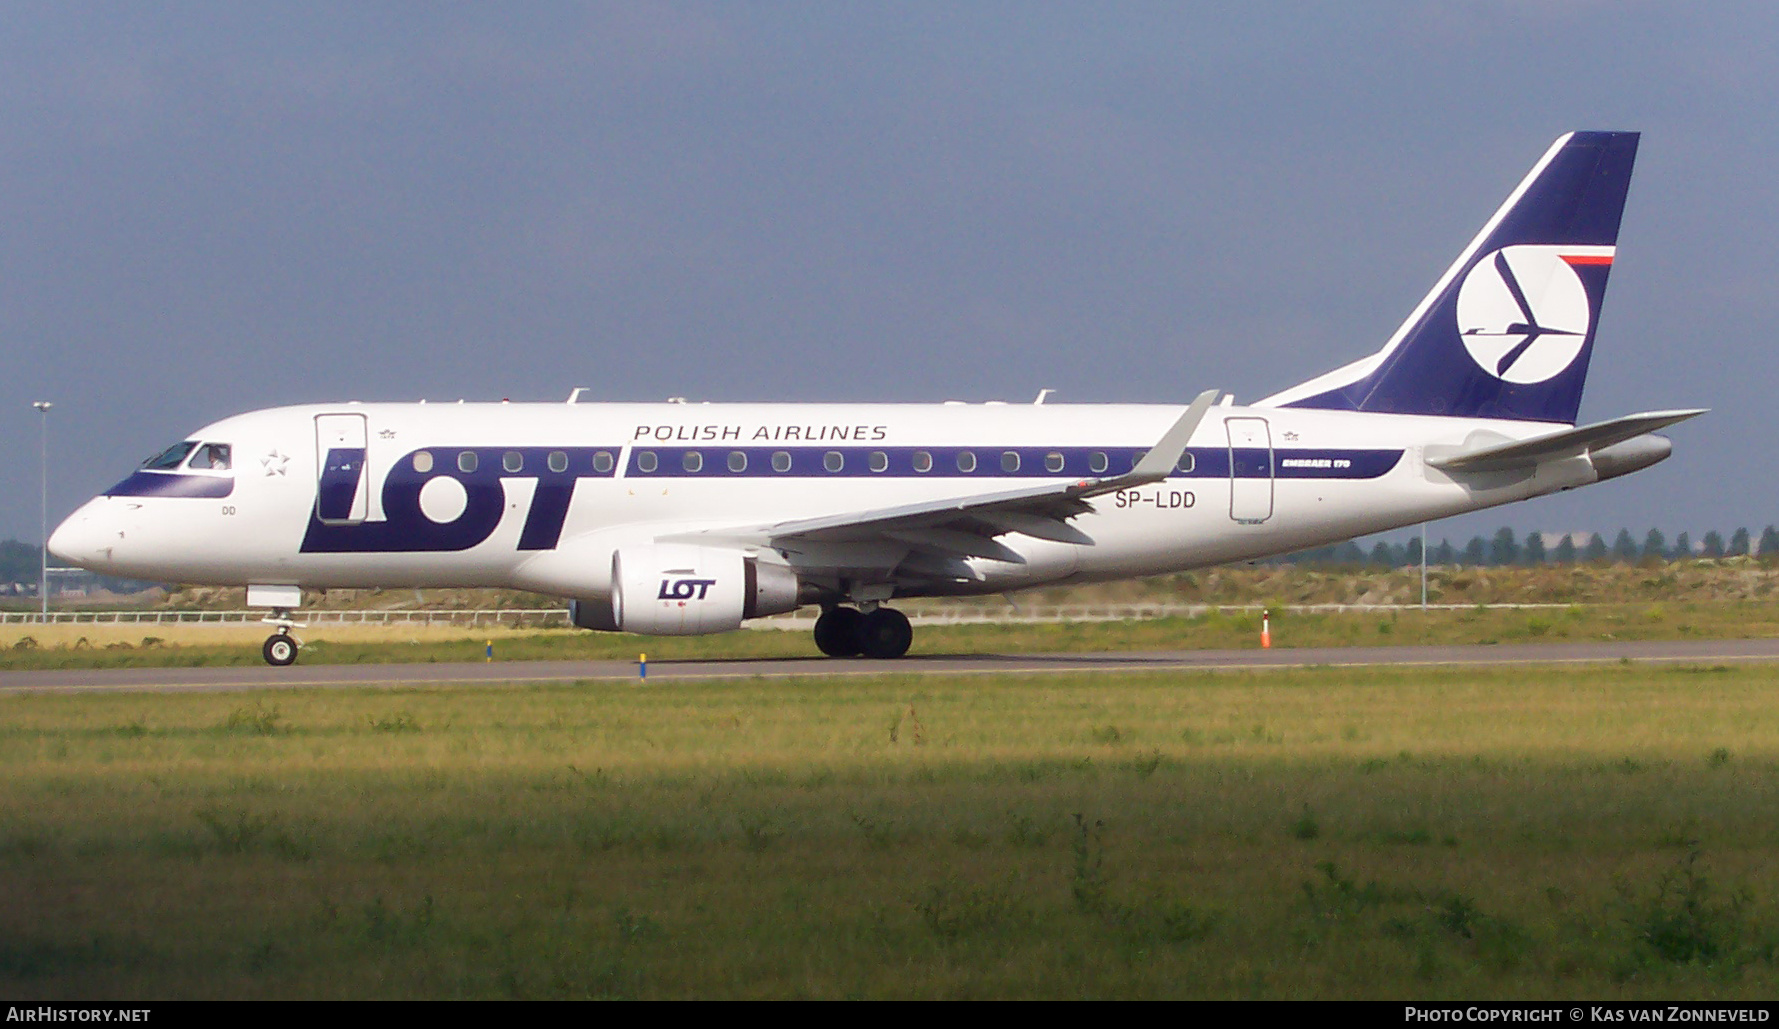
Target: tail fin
{"type": "Point", "coordinates": [1508, 329]}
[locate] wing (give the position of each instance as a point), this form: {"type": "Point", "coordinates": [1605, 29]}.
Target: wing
{"type": "Point", "coordinates": [932, 539]}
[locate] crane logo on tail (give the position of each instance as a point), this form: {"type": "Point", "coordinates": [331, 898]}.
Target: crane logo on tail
{"type": "Point", "coordinates": [1523, 311]}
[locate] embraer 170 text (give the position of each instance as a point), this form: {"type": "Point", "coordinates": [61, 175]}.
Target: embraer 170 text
{"type": "Point", "coordinates": [677, 519]}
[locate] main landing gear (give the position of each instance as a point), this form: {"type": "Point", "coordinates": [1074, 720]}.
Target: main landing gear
{"type": "Point", "coordinates": [881, 632]}
{"type": "Point", "coordinates": [281, 647]}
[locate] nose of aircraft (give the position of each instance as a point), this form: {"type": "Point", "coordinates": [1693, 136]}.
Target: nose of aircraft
{"type": "Point", "coordinates": [82, 540]}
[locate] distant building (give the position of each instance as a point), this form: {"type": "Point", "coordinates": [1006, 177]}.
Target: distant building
{"type": "Point", "coordinates": [73, 583]}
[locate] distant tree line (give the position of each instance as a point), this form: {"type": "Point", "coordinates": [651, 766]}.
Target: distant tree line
{"type": "Point", "coordinates": [19, 562]}
{"type": "Point", "coordinates": [1505, 548]}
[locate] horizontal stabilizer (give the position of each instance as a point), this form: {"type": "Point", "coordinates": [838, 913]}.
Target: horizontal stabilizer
{"type": "Point", "coordinates": [1569, 442]}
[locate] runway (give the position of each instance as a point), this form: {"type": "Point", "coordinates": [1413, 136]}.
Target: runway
{"type": "Point", "coordinates": [301, 676]}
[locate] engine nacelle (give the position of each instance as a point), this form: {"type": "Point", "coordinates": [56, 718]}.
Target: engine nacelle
{"type": "Point", "coordinates": [677, 589]}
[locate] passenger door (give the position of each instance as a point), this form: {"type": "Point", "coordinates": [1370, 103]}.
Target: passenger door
{"type": "Point", "coordinates": [342, 495]}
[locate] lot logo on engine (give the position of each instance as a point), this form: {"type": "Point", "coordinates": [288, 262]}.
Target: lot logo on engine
{"type": "Point", "coordinates": [685, 589]}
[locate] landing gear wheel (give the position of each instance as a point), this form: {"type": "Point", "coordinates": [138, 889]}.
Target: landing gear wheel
{"type": "Point", "coordinates": [280, 649]}
{"type": "Point", "coordinates": [837, 631]}
{"type": "Point", "coordinates": [885, 633]}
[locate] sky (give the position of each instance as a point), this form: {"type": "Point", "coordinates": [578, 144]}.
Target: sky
{"type": "Point", "coordinates": [211, 208]}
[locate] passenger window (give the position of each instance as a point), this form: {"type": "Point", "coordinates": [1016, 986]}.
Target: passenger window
{"type": "Point", "coordinates": [212, 456]}
{"type": "Point", "coordinates": [1009, 461]}
{"type": "Point", "coordinates": [602, 462]}
{"type": "Point", "coordinates": [513, 461]}
{"type": "Point", "coordinates": [1096, 462]}
{"type": "Point", "coordinates": [645, 461]}
{"type": "Point", "coordinates": [1185, 465]}
{"type": "Point", "coordinates": [879, 461]}
{"type": "Point", "coordinates": [466, 461]}
{"type": "Point", "coordinates": [693, 461]}
{"type": "Point", "coordinates": [1053, 462]}
{"type": "Point", "coordinates": [558, 462]}
{"type": "Point", "coordinates": [966, 461]}
{"type": "Point", "coordinates": [923, 461]}
{"type": "Point", "coordinates": [737, 461]}
{"type": "Point", "coordinates": [423, 461]}
{"type": "Point", "coordinates": [833, 460]}
{"type": "Point", "coordinates": [781, 461]}
{"type": "Point", "coordinates": [169, 459]}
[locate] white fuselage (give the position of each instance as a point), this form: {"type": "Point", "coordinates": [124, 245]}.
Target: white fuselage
{"type": "Point", "coordinates": [538, 496]}
{"type": "Point", "coordinates": [679, 519]}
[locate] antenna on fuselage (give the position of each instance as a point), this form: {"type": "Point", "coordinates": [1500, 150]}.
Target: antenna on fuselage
{"type": "Point", "coordinates": [1041, 395]}
{"type": "Point", "coordinates": [576, 395]}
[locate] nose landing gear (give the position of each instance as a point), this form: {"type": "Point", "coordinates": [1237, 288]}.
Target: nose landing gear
{"type": "Point", "coordinates": [281, 647]}
{"type": "Point", "coordinates": [882, 632]}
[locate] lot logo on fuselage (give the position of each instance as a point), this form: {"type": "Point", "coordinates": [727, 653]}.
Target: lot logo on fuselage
{"type": "Point", "coordinates": [1523, 313]}
{"type": "Point", "coordinates": [455, 506]}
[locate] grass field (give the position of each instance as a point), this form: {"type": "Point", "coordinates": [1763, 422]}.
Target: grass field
{"type": "Point", "coordinates": [103, 646]}
{"type": "Point", "coordinates": [1597, 832]}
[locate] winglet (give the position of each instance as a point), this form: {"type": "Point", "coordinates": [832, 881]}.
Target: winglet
{"type": "Point", "coordinates": [1161, 458]}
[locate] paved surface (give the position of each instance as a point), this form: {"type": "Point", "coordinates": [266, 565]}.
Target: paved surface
{"type": "Point", "coordinates": [311, 676]}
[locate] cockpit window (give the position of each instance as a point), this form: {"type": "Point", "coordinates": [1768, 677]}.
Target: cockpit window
{"type": "Point", "coordinates": [170, 458]}
{"type": "Point", "coordinates": [214, 456]}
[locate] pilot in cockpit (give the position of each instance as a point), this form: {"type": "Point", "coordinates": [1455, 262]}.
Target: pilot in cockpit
{"type": "Point", "coordinates": [211, 456]}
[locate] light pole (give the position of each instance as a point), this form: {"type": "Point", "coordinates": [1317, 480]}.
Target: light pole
{"type": "Point", "coordinates": [1423, 566]}
{"type": "Point", "coordinates": [43, 407]}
